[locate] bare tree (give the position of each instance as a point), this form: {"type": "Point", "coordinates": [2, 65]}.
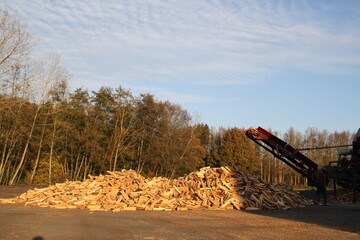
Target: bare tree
{"type": "Point", "coordinates": [54, 84]}
{"type": "Point", "coordinates": [16, 43]}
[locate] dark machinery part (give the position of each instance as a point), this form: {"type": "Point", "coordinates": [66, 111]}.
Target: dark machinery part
{"type": "Point", "coordinates": [326, 147]}
{"type": "Point", "coordinates": [345, 172]}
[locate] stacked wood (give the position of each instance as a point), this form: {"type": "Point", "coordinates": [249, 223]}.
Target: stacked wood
{"type": "Point", "coordinates": [210, 188]}
{"type": "Point", "coordinates": [345, 196]}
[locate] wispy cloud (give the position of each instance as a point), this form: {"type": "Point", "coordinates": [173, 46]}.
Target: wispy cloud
{"type": "Point", "coordinates": [233, 60]}
{"type": "Point", "coordinates": [218, 42]}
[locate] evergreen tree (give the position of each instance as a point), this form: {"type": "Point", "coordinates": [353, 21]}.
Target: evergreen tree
{"type": "Point", "coordinates": [237, 150]}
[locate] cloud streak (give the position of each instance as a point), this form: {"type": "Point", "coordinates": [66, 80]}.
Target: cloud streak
{"type": "Point", "coordinates": [202, 42]}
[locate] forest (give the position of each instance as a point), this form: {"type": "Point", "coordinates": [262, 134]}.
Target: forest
{"type": "Point", "coordinates": [50, 133]}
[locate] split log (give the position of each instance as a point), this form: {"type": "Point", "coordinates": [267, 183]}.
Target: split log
{"type": "Point", "coordinates": [210, 188]}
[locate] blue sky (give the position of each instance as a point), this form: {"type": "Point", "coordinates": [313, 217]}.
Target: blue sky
{"type": "Point", "coordinates": [240, 63]}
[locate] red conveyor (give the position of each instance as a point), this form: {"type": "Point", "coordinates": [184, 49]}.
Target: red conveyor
{"type": "Point", "coordinates": [283, 151]}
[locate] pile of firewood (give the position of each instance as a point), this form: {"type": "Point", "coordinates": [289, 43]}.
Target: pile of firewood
{"type": "Point", "coordinates": [210, 188]}
{"type": "Point", "coordinates": [345, 196]}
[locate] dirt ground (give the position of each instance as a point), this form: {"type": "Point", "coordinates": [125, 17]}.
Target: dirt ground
{"type": "Point", "coordinates": [338, 221]}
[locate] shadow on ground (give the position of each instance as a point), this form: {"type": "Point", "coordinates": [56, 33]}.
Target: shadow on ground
{"type": "Point", "coordinates": [344, 217]}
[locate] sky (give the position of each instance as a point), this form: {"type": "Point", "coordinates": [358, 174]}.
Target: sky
{"type": "Point", "coordinates": [229, 63]}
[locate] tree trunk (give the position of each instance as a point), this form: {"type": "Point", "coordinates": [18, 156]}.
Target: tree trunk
{"type": "Point", "coordinates": [39, 152]}
{"type": "Point", "coordinates": [52, 151]}
{"type": "Point", "coordinates": [22, 160]}
{"type": "Point", "coordinates": [5, 164]}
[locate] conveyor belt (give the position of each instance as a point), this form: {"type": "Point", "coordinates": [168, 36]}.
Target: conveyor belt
{"type": "Point", "coordinates": [283, 151]}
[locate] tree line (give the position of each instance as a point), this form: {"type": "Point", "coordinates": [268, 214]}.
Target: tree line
{"type": "Point", "coordinates": [49, 133]}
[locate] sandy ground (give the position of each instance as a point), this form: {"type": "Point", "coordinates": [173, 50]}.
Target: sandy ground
{"type": "Point", "coordinates": [338, 221]}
